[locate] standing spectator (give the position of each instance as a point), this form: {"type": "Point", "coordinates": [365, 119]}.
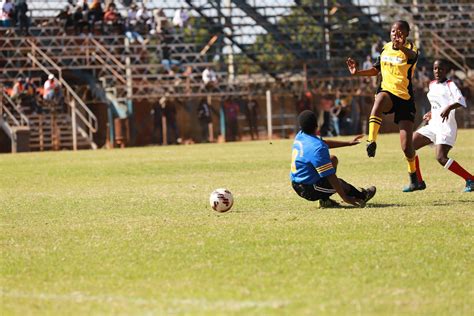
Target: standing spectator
{"type": "Point", "coordinates": [21, 9]}
{"type": "Point", "coordinates": [53, 92]}
{"type": "Point", "coordinates": [251, 112]}
{"type": "Point", "coordinates": [79, 19]}
{"type": "Point", "coordinates": [204, 117]}
{"type": "Point", "coordinates": [65, 18]}
{"type": "Point", "coordinates": [18, 89]}
{"type": "Point", "coordinates": [367, 63]}
{"type": "Point", "coordinates": [160, 21]}
{"type": "Point", "coordinates": [334, 115]}
{"type": "Point", "coordinates": [171, 123]}
{"type": "Point", "coordinates": [231, 109]}
{"type": "Point", "coordinates": [376, 48]}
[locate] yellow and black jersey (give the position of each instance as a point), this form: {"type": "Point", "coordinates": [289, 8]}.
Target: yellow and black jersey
{"type": "Point", "coordinates": [397, 70]}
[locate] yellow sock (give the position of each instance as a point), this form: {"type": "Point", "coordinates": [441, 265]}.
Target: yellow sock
{"type": "Point", "coordinates": [374, 126]}
{"type": "Point", "coordinates": [411, 164]}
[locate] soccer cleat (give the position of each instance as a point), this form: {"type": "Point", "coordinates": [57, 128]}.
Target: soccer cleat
{"type": "Point", "coordinates": [418, 186]}
{"type": "Point", "coordinates": [328, 204]}
{"type": "Point", "coordinates": [469, 186]}
{"type": "Point", "coordinates": [371, 148]}
{"type": "Point", "coordinates": [369, 193]}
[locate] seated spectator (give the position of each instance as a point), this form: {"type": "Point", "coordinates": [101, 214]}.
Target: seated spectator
{"type": "Point", "coordinates": [131, 24]}
{"type": "Point", "coordinates": [18, 90]}
{"type": "Point", "coordinates": [52, 91]}
{"type": "Point", "coordinates": [180, 18]}
{"type": "Point", "coordinates": [30, 99]}
{"type": "Point", "coordinates": [144, 19]}
{"type": "Point", "coordinates": [209, 78]}
{"type": "Point", "coordinates": [7, 14]}
{"type": "Point", "coordinates": [65, 18]}
{"type": "Point", "coordinates": [95, 15]}
{"type": "Point", "coordinates": [112, 18]}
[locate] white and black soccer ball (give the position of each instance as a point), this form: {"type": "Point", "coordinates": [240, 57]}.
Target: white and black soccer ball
{"type": "Point", "coordinates": [221, 200]}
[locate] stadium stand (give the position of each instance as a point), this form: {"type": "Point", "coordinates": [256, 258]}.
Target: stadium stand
{"type": "Point", "coordinates": [285, 46]}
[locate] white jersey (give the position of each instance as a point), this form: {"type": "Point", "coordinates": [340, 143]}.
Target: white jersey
{"type": "Point", "coordinates": [442, 95]}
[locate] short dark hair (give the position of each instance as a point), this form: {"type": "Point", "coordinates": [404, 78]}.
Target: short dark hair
{"type": "Point", "coordinates": [308, 121]}
{"type": "Point", "coordinates": [443, 62]}
{"type": "Point", "coordinates": [404, 25]}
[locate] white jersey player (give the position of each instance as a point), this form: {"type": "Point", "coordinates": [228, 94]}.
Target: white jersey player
{"type": "Point", "coordinates": [441, 130]}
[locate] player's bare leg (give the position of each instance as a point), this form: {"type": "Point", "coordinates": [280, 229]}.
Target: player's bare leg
{"type": "Point", "coordinates": [406, 143]}
{"type": "Point", "coordinates": [382, 103]}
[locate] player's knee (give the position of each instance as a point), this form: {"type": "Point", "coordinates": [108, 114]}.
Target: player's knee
{"type": "Point", "coordinates": [442, 159]}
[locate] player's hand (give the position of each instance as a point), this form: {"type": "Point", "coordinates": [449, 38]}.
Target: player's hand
{"type": "Point", "coordinates": [445, 114]}
{"type": "Point", "coordinates": [398, 40]}
{"type": "Point", "coordinates": [356, 140]}
{"type": "Point", "coordinates": [353, 201]}
{"type": "Point", "coordinates": [351, 65]}
{"type": "Point", "coordinates": [427, 116]}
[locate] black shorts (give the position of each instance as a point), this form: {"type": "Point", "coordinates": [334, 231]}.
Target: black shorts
{"type": "Point", "coordinates": [404, 110]}
{"type": "Point", "coordinates": [322, 190]}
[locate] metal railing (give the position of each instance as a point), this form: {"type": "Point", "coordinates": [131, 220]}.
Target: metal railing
{"type": "Point", "coordinates": [23, 119]}
{"type": "Point", "coordinates": [78, 107]}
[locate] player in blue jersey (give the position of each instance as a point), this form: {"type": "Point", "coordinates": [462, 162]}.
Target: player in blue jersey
{"type": "Point", "coordinates": [313, 170]}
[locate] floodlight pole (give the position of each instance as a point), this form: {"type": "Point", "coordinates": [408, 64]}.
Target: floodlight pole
{"type": "Point", "coordinates": [269, 114]}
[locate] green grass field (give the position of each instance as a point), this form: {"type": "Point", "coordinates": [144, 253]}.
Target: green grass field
{"type": "Point", "coordinates": [131, 232]}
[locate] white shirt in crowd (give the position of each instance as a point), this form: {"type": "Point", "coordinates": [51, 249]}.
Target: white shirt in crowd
{"type": "Point", "coordinates": [208, 75]}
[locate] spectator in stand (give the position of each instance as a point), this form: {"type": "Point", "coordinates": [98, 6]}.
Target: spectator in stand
{"type": "Point", "coordinates": [21, 9]}
{"type": "Point", "coordinates": [376, 49]}
{"type": "Point", "coordinates": [7, 14]}
{"type": "Point", "coordinates": [131, 24]}
{"type": "Point", "coordinates": [231, 109]}
{"type": "Point", "coordinates": [209, 78]}
{"type": "Point", "coordinates": [79, 19]}
{"type": "Point", "coordinates": [95, 14]}
{"type": "Point", "coordinates": [251, 112]}
{"type": "Point", "coordinates": [171, 123]}
{"type": "Point", "coordinates": [334, 114]}
{"type": "Point", "coordinates": [18, 89]}
{"type": "Point", "coordinates": [367, 63]}
{"type": "Point", "coordinates": [180, 18]}
{"type": "Point", "coordinates": [113, 19]}
{"type": "Point", "coordinates": [144, 19]}
{"type": "Point", "coordinates": [30, 91]}
{"type": "Point", "coordinates": [159, 22]}
{"type": "Point", "coordinates": [65, 18]}
{"type": "Point", "coordinates": [204, 117]}
{"type": "Point", "coordinates": [52, 91]}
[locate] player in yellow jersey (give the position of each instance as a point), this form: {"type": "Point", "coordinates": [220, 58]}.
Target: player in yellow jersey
{"type": "Point", "coordinates": [396, 64]}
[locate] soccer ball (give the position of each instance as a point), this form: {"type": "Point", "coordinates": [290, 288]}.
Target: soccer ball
{"type": "Point", "coordinates": [221, 200]}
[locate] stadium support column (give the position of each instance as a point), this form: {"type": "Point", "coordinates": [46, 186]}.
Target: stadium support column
{"type": "Point", "coordinates": [74, 124]}
{"type": "Point", "coordinates": [129, 82]}
{"type": "Point", "coordinates": [228, 47]}
{"type": "Point", "coordinates": [327, 48]}
{"type": "Point", "coordinates": [269, 114]}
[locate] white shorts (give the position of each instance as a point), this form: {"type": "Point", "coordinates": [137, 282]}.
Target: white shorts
{"type": "Point", "coordinates": [438, 136]}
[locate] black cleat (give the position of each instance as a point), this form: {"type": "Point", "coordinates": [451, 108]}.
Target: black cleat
{"type": "Point", "coordinates": [418, 186]}
{"type": "Point", "coordinates": [328, 204]}
{"type": "Point", "coordinates": [371, 148]}
{"type": "Point", "coordinates": [369, 193]}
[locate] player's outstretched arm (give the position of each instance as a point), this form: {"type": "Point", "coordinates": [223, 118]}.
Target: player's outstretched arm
{"type": "Point", "coordinates": [337, 143]}
{"type": "Point", "coordinates": [445, 113]}
{"type": "Point", "coordinates": [334, 181]}
{"type": "Point", "coordinates": [353, 69]}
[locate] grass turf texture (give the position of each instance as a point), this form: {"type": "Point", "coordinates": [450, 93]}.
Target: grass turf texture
{"type": "Point", "coordinates": [131, 232]}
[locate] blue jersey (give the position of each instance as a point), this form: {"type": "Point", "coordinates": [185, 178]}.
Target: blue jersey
{"type": "Point", "coordinates": [310, 159]}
